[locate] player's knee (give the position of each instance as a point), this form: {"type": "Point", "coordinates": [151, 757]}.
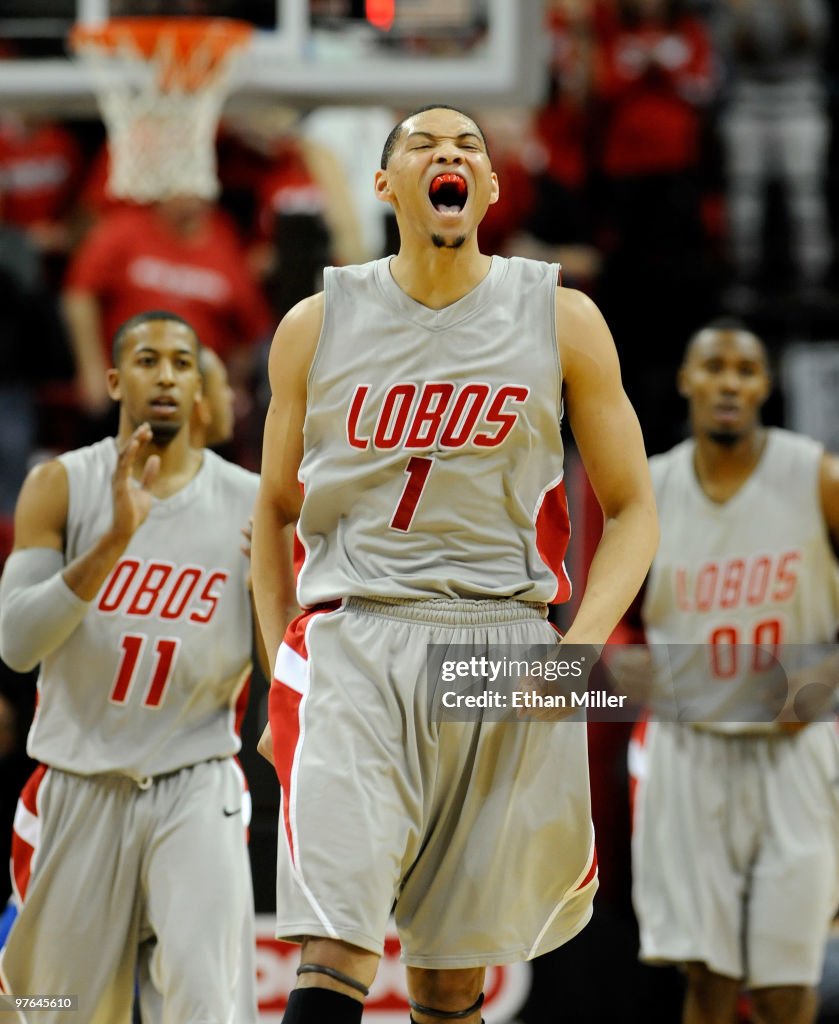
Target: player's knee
{"type": "Point", "coordinates": [709, 989]}
{"type": "Point", "coordinates": [787, 1004]}
{"type": "Point", "coordinates": [449, 991]}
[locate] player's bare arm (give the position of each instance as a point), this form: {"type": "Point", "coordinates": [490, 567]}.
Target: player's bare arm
{"type": "Point", "coordinates": [81, 309]}
{"type": "Point", "coordinates": [829, 493]}
{"type": "Point", "coordinates": [36, 578]}
{"type": "Point", "coordinates": [811, 692]}
{"type": "Point", "coordinates": [609, 440]}
{"type": "Point", "coordinates": [279, 498]}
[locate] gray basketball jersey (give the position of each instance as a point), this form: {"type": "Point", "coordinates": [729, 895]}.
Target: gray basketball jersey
{"type": "Point", "coordinates": [150, 679]}
{"type": "Point", "coordinates": [735, 586]}
{"type": "Point", "coordinates": [433, 458]}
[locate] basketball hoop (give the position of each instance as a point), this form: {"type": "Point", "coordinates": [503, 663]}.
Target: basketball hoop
{"type": "Point", "coordinates": [161, 84]}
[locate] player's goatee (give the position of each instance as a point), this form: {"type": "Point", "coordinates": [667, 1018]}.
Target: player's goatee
{"type": "Point", "coordinates": [441, 243]}
{"type": "Point", "coordinates": [726, 438]}
{"type": "Point", "coordinates": [164, 433]}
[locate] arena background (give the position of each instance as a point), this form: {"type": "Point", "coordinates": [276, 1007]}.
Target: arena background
{"type": "Point", "coordinates": [621, 176]}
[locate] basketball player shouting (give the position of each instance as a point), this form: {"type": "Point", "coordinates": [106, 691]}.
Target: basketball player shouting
{"type": "Point", "coordinates": [418, 401]}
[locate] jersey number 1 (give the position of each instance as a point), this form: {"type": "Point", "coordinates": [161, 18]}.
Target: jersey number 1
{"type": "Point", "coordinates": [417, 470]}
{"type": "Point", "coordinates": [165, 651]}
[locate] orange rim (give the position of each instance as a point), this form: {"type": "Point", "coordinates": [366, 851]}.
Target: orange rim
{"type": "Point", "coordinates": [217, 36]}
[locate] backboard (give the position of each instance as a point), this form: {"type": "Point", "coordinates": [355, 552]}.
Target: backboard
{"type": "Point", "coordinates": [398, 53]}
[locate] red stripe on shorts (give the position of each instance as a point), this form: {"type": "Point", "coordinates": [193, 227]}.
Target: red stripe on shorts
{"type": "Point", "coordinates": [638, 742]}
{"type": "Point", "coordinates": [22, 851]}
{"type": "Point", "coordinates": [284, 712]}
{"type": "Point", "coordinates": [592, 871]}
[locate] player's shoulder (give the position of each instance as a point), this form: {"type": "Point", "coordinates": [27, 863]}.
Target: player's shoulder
{"type": "Point", "coordinates": [665, 465]}
{"type": "Point", "coordinates": [296, 339]}
{"type": "Point", "coordinates": [100, 455]}
{"type": "Point", "coordinates": [792, 443]}
{"type": "Point", "coordinates": [353, 279]}
{"type": "Point", "coordinates": [232, 477]}
{"type": "Point", "coordinates": [573, 303]}
{"type": "Point", "coordinates": [583, 338]}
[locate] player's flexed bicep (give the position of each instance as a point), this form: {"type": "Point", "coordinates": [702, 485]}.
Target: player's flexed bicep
{"type": "Point", "coordinates": [279, 499]}
{"type": "Point", "coordinates": [609, 439]}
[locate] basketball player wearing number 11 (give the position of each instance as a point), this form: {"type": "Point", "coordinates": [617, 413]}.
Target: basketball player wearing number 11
{"type": "Point", "coordinates": [418, 401]}
{"type": "Point", "coordinates": [128, 585]}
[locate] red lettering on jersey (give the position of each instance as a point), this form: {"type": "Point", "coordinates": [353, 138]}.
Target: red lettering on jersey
{"type": "Point", "coordinates": [161, 586]}
{"type": "Point", "coordinates": [786, 576]}
{"type": "Point", "coordinates": [181, 592]}
{"type": "Point", "coordinates": [758, 582]}
{"type": "Point", "coordinates": [732, 583]}
{"type": "Point", "coordinates": [165, 651]}
{"type": "Point", "coordinates": [353, 417]}
{"type": "Point", "coordinates": [682, 600]}
{"type": "Point", "coordinates": [498, 414]}
{"type": "Point", "coordinates": [210, 597]}
{"type": "Point", "coordinates": [706, 586]}
{"type": "Point", "coordinates": [737, 582]}
{"type": "Point", "coordinates": [464, 415]}
{"type": "Point", "coordinates": [393, 417]}
{"type": "Point", "coordinates": [433, 418]}
{"type": "Point", "coordinates": [425, 425]}
{"type": "Point", "coordinates": [147, 593]}
{"type": "Point", "coordinates": [115, 590]}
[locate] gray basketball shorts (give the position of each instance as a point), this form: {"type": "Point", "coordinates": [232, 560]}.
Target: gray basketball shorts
{"type": "Point", "coordinates": [735, 851]}
{"type": "Point", "coordinates": [104, 867]}
{"type": "Point", "coordinates": [476, 834]}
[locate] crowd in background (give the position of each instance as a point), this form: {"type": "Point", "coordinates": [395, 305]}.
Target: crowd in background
{"type": "Point", "coordinates": [680, 166]}
{"type": "Point", "coordinates": [684, 164]}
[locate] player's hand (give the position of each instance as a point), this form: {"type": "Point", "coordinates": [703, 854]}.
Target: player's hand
{"type": "Point", "coordinates": [811, 695]}
{"type": "Point", "coordinates": [632, 672]}
{"type": "Point", "coordinates": [266, 744]}
{"type": "Point", "coordinates": [92, 394]}
{"type": "Point", "coordinates": [133, 501]}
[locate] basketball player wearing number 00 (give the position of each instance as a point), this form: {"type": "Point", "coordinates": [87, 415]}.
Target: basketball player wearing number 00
{"type": "Point", "coordinates": [128, 585]}
{"type": "Point", "coordinates": [418, 401]}
{"type": "Point", "coordinates": [736, 837]}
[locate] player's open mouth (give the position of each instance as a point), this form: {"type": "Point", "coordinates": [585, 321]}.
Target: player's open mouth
{"type": "Point", "coordinates": [448, 193]}
{"type": "Point", "coordinates": [164, 406]}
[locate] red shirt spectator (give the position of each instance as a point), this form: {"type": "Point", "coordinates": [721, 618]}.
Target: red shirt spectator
{"type": "Point", "coordinates": [40, 166]}
{"type": "Point", "coordinates": [134, 261]}
{"type": "Point", "coordinates": [654, 72]}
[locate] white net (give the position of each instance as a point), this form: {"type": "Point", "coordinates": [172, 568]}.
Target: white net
{"type": "Point", "coordinates": [161, 103]}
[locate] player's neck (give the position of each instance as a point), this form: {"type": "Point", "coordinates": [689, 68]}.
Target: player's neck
{"type": "Point", "coordinates": [179, 462]}
{"type": "Point", "coordinates": [438, 277]}
{"type": "Point", "coordinates": [722, 469]}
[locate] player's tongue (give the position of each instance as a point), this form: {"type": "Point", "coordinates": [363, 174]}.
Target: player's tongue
{"type": "Point", "coordinates": [448, 193]}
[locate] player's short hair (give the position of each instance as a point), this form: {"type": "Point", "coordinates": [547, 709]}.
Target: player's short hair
{"type": "Point", "coordinates": [396, 131]}
{"type": "Point", "coordinates": [727, 323]}
{"type": "Point", "coordinates": [148, 316]}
